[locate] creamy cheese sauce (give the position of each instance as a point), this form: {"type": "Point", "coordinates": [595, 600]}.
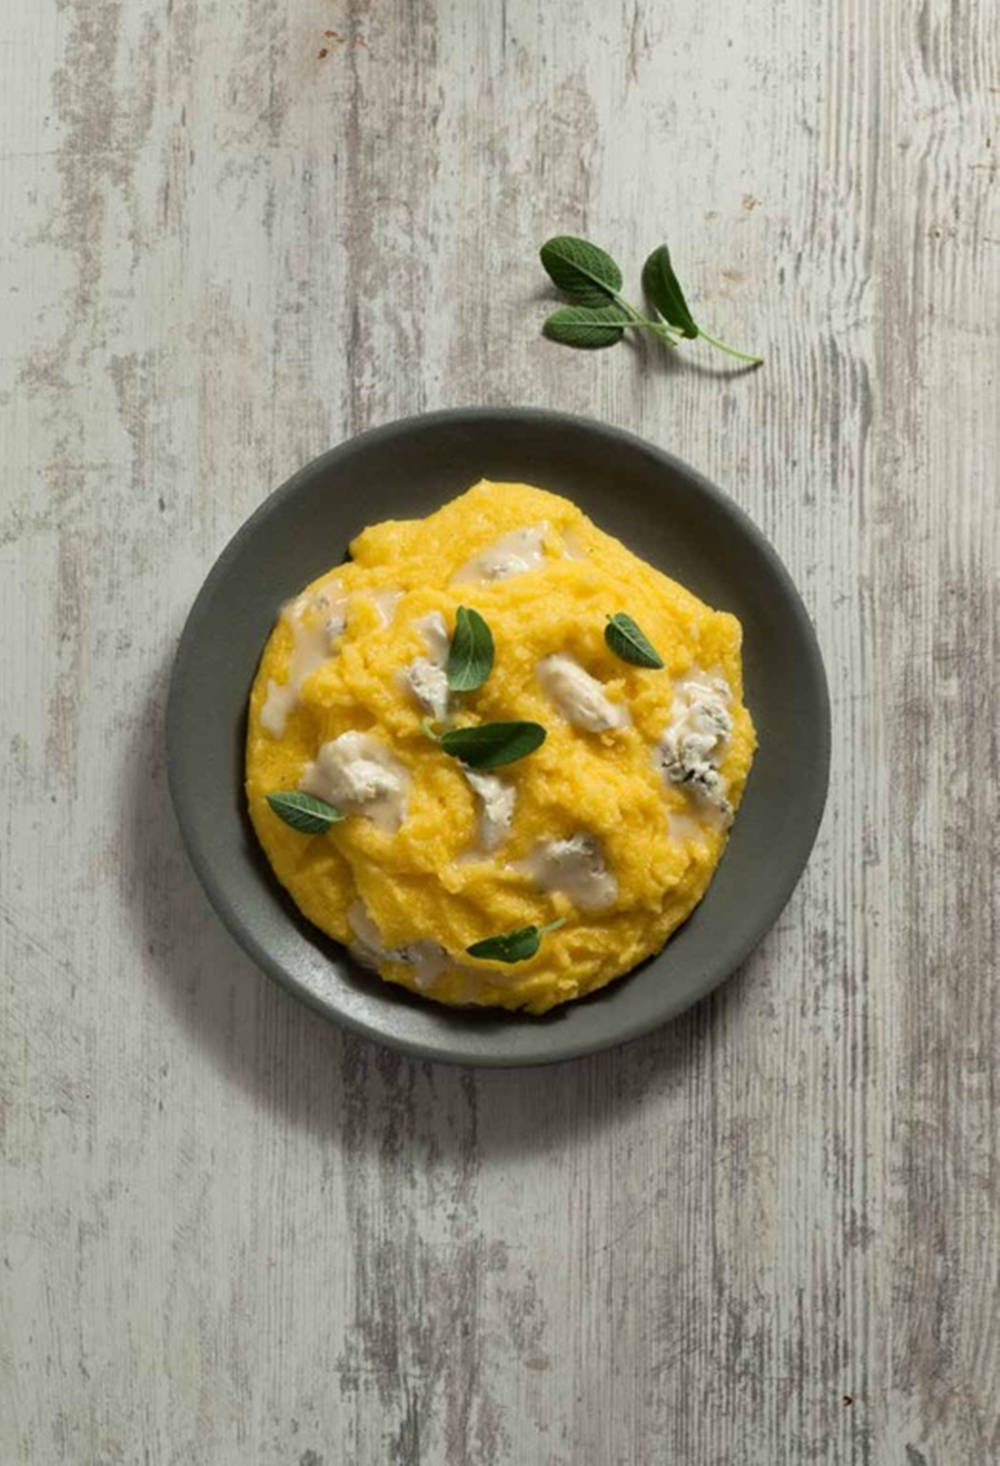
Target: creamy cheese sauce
{"type": "Point", "coordinates": [434, 630]}
{"type": "Point", "coordinates": [573, 549]}
{"type": "Point", "coordinates": [427, 959]}
{"type": "Point", "coordinates": [386, 602]}
{"type": "Point", "coordinates": [514, 553]}
{"type": "Point", "coordinates": [576, 867]}
{"type": "Point", "coordinates": [579, 697]}
{"type": "Point", "coordinates": [684, 826]}
{"type": "Point", "coordinates": [316, 622]}
{"type": "Point", "coordinates": [332, 602]}
{"type": "Point", "coordinates": [425, 677]}
{"type": "Point", "coordinates": [497, 800]}
{"type": "Point", "coordinates": [358, 775]}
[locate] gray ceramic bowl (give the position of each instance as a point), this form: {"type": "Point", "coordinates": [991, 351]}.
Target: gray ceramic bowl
{"type": "Point", "coordinates": [660, 508]}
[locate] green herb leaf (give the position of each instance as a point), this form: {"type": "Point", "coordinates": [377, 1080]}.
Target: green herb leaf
{"type": "Point", "coordinates": [630, 642]}
{"type": "Point", "coordinates": [488, 745]}
{"type": "Point", "coordinates": [587, 326]}
{"type": "Point", "coordinates": [663, 289]}
{"type": "Point", "coordinates": [587, 274]}
{"type": "Point", "coordinates": [470, 658]}
{"type": "Point", "coordinates": [304, 812]}
{"type": "Point", "coordinates": [515, 946]}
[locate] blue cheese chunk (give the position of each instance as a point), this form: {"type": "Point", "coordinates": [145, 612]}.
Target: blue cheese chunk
{"type": "Point", "coordinates": [357, 774]}
{"type": "Point", "coordinates": [427, 959]}
{"type": "Point", "coordinates": [576, 867]}
{"type": "Point", "coordinates": [694, 742]}
{"type": "Point", "coordinates": [512, 554]}
{"type": "Point", "coordinates": [580, 698]}
{"type": "Point", "coordinates": [425, 677]}
{"type": "Point", "coordinates": [497, 800]}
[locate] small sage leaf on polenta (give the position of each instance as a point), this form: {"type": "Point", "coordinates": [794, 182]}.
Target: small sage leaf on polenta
{"type": "Point", "coordinates": [587, 327]}
{"type": "Point", "coordinates": [629, 642]}
{"type": "Point", "coordinates": [304, 812]}
{"type": "Point", "coordinates": [515, 946]}
{"type": "Point", "coordinates": [470, 657]}
{"type": "Point", "coordinates": [489, 745]}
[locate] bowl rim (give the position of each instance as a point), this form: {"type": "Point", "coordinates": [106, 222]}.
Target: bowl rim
{"type": "Point", "coordinates": [214, 884]}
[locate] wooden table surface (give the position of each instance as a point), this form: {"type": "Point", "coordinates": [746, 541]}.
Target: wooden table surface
{"type": "Point", "coordinates": [235, 234]}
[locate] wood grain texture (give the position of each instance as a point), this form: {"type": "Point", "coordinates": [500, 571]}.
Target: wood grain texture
{"type": "Point", "coordinates": [235, 234]}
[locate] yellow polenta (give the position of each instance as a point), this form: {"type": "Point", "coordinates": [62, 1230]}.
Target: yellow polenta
{"type": "Point", "coordinates": [616, 823]}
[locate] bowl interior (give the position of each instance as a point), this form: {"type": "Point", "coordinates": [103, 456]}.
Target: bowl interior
{"type": "Point", "coordinates": [661, 509]}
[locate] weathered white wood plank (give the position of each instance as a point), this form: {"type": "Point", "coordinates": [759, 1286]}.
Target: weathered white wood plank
{"type": "Point", "coordinates": [237, 233]}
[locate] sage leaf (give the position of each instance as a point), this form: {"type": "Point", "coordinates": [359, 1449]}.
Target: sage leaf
{"type": "Point", "coordinates": [587, 326]}
{"type": "Point", "coordinates": [515, 946]}
{"type": "Point", "coordinates": [587, 274]}
{"type": "Point", "coordinates": [663, 289]}
{"type": "Point", "coordinates": [470, 657]}
{"type": "Point", "coordinates": [489, 745]}
{"type": "Point", "coordinates": [304, 812]}
{"type": "Point", "coordinates": [629, 642]}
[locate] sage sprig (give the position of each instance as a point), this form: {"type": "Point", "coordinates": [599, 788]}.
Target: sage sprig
{"type": "Point", "coordinates": [600, 316]}
{"type": "Point", "coordinates": [629, 642]}
{"type": "Point", "coordinates": [515, 946]}
{"type": "Point", "coordinates": [470, 657]}
{"type": "Point", "coordinates": [489, 745]}
{"type": "Point", "coordinates": [304, 812]}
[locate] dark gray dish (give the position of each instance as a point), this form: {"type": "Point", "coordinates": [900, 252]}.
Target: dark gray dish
{"type": "Point", "coordinates": [664, 511]}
